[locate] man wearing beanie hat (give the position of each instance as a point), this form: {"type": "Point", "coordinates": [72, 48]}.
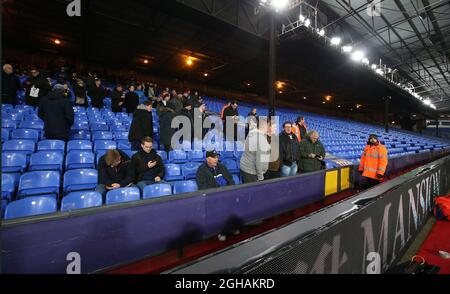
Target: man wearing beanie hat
{"type": "Point", "coordinates": [57, 113]}
{"type": "Point", "coordinates": [374, 161]}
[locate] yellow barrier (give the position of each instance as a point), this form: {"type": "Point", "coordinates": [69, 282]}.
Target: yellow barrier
{"type": "Point", "coordinates": [337, 180]}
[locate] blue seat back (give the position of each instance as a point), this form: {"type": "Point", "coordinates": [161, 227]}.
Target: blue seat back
{"type": "Point", "coordinates": [31, 206]}
{"type": "Point", "coordinates": [80, 179]}
{"type": "Point", "coordinates": [189, 170]}
{"type": "Point", "coordinates": [122, 195]}
{"type": "Point", "coordinates": [184, 187]}
{"type": "Point", "coordinates": [14, 162]}
{"type": "Point", "coordinates": [80, 159]}
{"type": "Point", "coordinates": [157, 190]}
{"type": "Point", "coordinates": [55, 145]}
{"type": "Point", "coordinates": [39, 182]}
{"type": "Point", "coordinates": [79, 145]}
{"type": "Point", "coordinates": [81, 200]}
{"type": "Point", "coordinates": [46, 160]}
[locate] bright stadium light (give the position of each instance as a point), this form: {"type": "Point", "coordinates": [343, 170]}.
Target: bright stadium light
{"type": "Point", "coordinates": [335, 41]}
{"type": "Point", "coordinates": [301, 18]}
{"type": "Point", "coordinates": [365, 61]}
{"type": "Point", "coordinates": [307, 22]}
{"type": "Point", "coordinates": [379, 71]}
{"type": "Point", "coordinates": [275, 4]}
{"type": "Point", "coordinates": [427, 102]}
{"type": "Point", "coordinates": [374, 66]}
{"type": "Point", "coordinates": [357, 56]}
{"type": "Point", "coordinates": [321, 32]}
{"type": "Point", "coordinates": [347, 49]}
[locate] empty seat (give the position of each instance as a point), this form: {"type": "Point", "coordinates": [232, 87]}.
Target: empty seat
{"type": "Point", "coordinates": [9, 124]}
{"type": "Point", "coordinates": [124, 145]}
{"type": "Point", "coordinates": [163, 155]}
{"type": "Point", "coordinates": [104, 145]}
{"type": "Point", "coordinates": [172, 172]}
{"type": "Point", "coordinates": [121, 136]}
{"type": "Point", "coordinates": [39, 182]}
{"type": "Point", "coordinates": [22, 146]}
{"type": "Point", "coordinates": [79, 145]}
{"type": "Point", "coordinates": [13, 162]}
{"type": "Point", "coordinates": [46, 160]}
{"type": "Point", "coordinates": [99, 128]}
{"type": "Point", "coordinates": [80, 159]}
{"type": "Point", "coordinates": [189, 170]}
{"type": "Point", "coordinates": [177, 156]}
{"type": "Point", "coordinates": [81, 200]}
{"type": "Point", "coordinates": [184, 187]}
{"type": "Point", "coordinates": [51, 145]}
{"type": "Point", "coordinates": [196, 155]}
{"type": "Point", "coordinates": [32, 124]}
{"type": "Point", "coordinates": [157, 190]}
{"type": "Point", "coordinates": [122, 195]}
{"type": "Point", "coordinates": [30, 206]}
{"type": "Point", "coordinates": [5, 134]}
{"type": "Point", "coordinates": [102, 136]}
{"type": "Point", "coordinates": [231, 165]}
{"type": "Point", "coordinates": [80, 179]}
{"type": "Point", "coordinates": [25, 134]}
{"type": "Point", "coordinates": [8, 186]}
{"type": "Point", "coordinates": [80, 135]}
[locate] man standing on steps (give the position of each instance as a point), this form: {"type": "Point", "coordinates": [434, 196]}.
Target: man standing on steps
{"type": "Point", "coordinates": [374, 161]}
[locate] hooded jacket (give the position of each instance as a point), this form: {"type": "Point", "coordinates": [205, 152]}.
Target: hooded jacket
{"type": "Point", "coordinates": [374, 161]}
{"type": "Point", "coordinates": [142, 124]}
{"type": "Point", "coordinates": [57, 113]}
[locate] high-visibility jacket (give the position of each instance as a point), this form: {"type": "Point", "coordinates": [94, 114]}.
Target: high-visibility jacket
{"type": "Point", "coordinates": [296, 131]}
{"type": "Point", "coordinates": [374, 161]}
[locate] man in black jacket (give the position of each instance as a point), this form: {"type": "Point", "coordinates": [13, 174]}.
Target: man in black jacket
{"type": "Point", "coordinates": [213, 174]}
{"type": "Point", "coordinates": [117, 98]}
{"type": "Point", "coordinates": [37, 86]}
{"type": "Point", "coordinates": [147, 164]}
{"type": "Point", "coordinates": [131, 100]}
{"type": "Point", "coordinates": [142, 125]}
{"type": "Point", "coordinates": [114, 171]}
{"type": "Point", "coordinates": [230, 120]}
{"type": "Point", "coordinates": [57, 113]}
{"type": "Point", "coordinates": [10, 85]}
{"type": "Point", "coordinates": [289, 151]}
{"type": "Point", "coordinates": [97, 94]}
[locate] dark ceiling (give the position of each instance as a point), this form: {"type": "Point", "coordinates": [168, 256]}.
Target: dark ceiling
{"type": "Point", "coordinates": [125, 33]}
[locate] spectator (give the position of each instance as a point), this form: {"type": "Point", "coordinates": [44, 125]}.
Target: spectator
{"type": "Point", "coordinates": [80, 93]}
{"type": "Point", "coordinates": [37, 86]}
{"type": "Point", "coordinates": [57, 113]}
{"type": "Point", "coordinates": [273, 171]}
{"type": "Point", "coordinates": [200, 115]}
{"type": "Point", "coordinates": [312, 153]}
{"type": "Point", "coordinates": [10, 85]}
{"type": "Point", "coordinates": [147, 164]}
{"type": "Point", "coordinates": [67, 92]}
{"type": "Point", "coordinates": [256, 157]}
{"type": "Point", "coordinates": [117, 98]}
{"type": "Point", "coordinates": [176, 102]}
{"type": "Point", "coordinates": [231, 114]}
{"type": "Point", "coordinates": [252, 119]}
{"type": "Point", "coordinates": [131, 100]}
{"type": "Point", "coordinates": [141, 125]}
{"type": "Point", "coordinates": [374, 161]}
{"type": "Point", "coordinates": [114, 171]}
{"type": "Point", "coordinates": [90, 81]}
{"type": "Point", "coordinates": [289, 151]}
{"type": "Point", "coordinates": [213, 174]}
{"type": "Point", "coordinates": [300, 129]}
{"type": "Point", "coordinates": [223, 109]}
{"type": "Point", "coordinates": [97, 94]}
{"type": "Point", "coordinates": [165, 114]}
{"type": "Point", "coordinates": [140, 92]}
{"type": "Point", "coordinates": [150, 91]}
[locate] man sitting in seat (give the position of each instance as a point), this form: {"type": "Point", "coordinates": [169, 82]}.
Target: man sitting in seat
{"type": "Point", "coordinates": [147, 164]}
{"type": "Point", "coordinates": [114, 171]}
{"type": "Point", "coordinates": [213, 174]}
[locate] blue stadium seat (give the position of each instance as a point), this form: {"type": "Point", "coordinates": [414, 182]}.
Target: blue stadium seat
{"type": "Point", "coordinates": [172, 172]}
{"type": "Point", "coordinates": [13, 162]}
{"type": "Point", "coordinates": [51, 145]}
{"type": "Point", "coordinates": [157, 190]}
{"type": "Point", "coordinates": [189, 170]}
{"type": "Point", "coordinates": [121, 136]}
{"type": "Point", "coordinates": [25, 134]}
{"type": "Point", "coordinates": [81, 200]}
{"type": "Point", "coordinates": [8, 186]}
{"type": "Point", "coordinates": [163, 155]}
{"type": "Point", "coordinates": [102, 136]}
{"type": "Point", "coordinates": [31, 206]}
{"type": "Point", "coordinates": [99, 128]}
{"type": "Point", "coordinates": [124, 145]}
{"type": "Point", "coordinates": [196, 155]}
{"type": "Point", "coordinates": [122, 195]}
{"type": "Point", "coordinates": [46, 160]}
{"type": "Point", "coordinates": [23, 146]}
{"type": "Point", "coordinates": [80, 159]}
{"type": "Point", "coordinates": [9, 124]}
{"type": "Point", "coordinates": [104, 145]}
{"type": "Point", "coordinates": [32, 124]}
{"type": "Point", "coordinates": [39, 182]}
{"type": "Point", "coordinates": [79, 145]}
{"type": "Point", "coordinates": [79, 180]}
{"type": "Point", "coordinates": [184, 187]}
{"type": "Point", "coordinates": [177, 156]}
{"type": "Point", "coordinates": [231, 165]}
{"type": "Point", "coordinates": [5, 134]}
{"type": "Point", "coordinates": [80, 135]}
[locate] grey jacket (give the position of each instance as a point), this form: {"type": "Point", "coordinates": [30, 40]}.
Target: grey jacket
{"type": "Point", "coordinates": [256, 157]}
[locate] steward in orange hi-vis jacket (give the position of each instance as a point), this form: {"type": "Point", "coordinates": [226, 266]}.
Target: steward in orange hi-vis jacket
{"type": "Point", "coordinates": [374, 161]}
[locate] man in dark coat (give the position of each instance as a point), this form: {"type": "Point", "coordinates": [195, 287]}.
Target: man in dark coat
{"type": "Point", "coordinates": [142, 125]}
{"type": "Point", "coordinates": [117, 98]}
{"type": "Point", "coordinates": [10, 85]}
{"type": "Point", "coordinates": [165, 114]}
{"type": "Point", "coordinates": [57, 113]}
{"type": "Point", "coordinates": [131, 100]}
{"type": "Point", "coordinates": [114, 171]}
{"type": "Point", "coordinates": [231, 115]}
{"type": "Point", "coordinates": [213, 174]}
{"type": "Point", "coordinates": [176, 103]}
{"type": "Point", "coordinates": [312, 153]}
{"type": "Point", "coordinates": [37, 86]}
{"type": "Point", "coordinates": [80, 93]}
{"type": "Point", "coordinates": [97, 94]}
{"type": "Point", "coordinates": [147, 164]}
{"type": "Point", "coordinates": [289, 151]}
